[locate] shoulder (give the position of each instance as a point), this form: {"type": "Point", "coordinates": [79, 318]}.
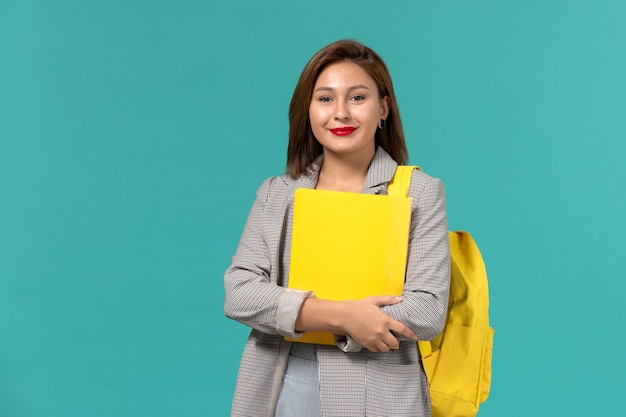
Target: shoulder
{"type": "Point", "coordinates": [269, 188]}
{"type": "Point", "coordinates": [273, 189]}
{"type": "Point", "coordinates": [424, 185]}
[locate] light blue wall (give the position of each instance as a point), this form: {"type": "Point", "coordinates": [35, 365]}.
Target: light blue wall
{"type": "Point", "coordinates": [134, 133]}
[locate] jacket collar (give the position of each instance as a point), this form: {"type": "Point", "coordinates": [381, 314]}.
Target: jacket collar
{"type": "Point", "coordinates": [380, 172]}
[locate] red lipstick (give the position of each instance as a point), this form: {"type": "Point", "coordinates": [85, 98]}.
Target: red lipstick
{"type": "Point", "coordinates": [343, 131]}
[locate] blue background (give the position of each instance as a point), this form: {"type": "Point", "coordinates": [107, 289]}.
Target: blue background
{"type": "Point", "coordinates": [133, 135]}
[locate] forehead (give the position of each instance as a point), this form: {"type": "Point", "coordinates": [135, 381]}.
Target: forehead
{"type": "Point", "coordinates": [344, 74]}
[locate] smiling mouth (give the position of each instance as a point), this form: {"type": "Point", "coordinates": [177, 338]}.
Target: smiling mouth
{"type": "Point", "coordinates": [343, 131]}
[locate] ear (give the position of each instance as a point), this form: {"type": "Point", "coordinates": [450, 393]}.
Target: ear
{"type": "Point", "coordinates": [384, 107]}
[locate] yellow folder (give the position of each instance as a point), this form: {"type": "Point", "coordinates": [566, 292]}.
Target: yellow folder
{"type": "Point", "coordinates": [347, 246]}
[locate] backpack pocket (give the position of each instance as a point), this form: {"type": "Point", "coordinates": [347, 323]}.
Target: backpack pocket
{"type": "Point", "coordinates": [485, 372]}
{"type": "Point", "coordinates": [456, 380]}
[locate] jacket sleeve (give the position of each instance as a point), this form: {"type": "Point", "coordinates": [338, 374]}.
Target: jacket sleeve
{"type": "Point", "coordinates": [251, 296]}
{"type": "Point", "coordinates": [427, 283]}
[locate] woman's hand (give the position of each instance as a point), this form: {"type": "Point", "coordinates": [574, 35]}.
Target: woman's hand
{"type": "Point", "coordinates": [365, 322]}
{"type": "Point", "coordinates": [362, 319]}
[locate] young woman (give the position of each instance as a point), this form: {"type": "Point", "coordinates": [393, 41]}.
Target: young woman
{"type": "Point", "coordinates": [345, 135]}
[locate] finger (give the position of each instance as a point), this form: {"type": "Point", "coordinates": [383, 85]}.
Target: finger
{"type": "Point", "coordinates": [391, 341]}
{"type": "Point", "coordinates": [385, 300]}
{"type": "Point", "coordinates": [376, 344]}
{"type": "Point", "coordinates": [401, 329]}
{"type": "Point", "coordinates": [381, 346]}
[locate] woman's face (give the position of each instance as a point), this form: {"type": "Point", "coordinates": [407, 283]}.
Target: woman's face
{"type": "Point", "coordinates": [345, 109]}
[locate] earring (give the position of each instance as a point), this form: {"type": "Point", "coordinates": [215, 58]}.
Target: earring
{"type": "Point", "coordinates": [382, 123]}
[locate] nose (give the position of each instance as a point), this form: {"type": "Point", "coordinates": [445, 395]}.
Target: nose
{"type": "Point", "coordinates": [341, 111]}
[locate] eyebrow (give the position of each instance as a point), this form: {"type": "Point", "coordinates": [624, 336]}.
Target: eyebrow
{"type": "Point", "coordinates": [354, 87]}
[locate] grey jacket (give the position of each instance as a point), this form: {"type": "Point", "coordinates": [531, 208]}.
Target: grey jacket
{"type": "Point", "coordinates": [359, 383]}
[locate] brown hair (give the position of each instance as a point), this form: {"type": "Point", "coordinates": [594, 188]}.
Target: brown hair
{"type": "Point", "coordinates": [303, 148]}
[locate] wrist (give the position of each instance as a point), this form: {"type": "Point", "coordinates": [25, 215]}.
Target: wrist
{"type": "Point", "coordinates": [339, 318]}
{"type": "Point", "coordinates": [322, 315]}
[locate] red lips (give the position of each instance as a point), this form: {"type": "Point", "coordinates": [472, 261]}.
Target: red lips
{"type": "Point", "coordinates": [343, 131]}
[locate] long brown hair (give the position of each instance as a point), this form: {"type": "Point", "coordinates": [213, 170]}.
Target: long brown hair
{"type": "Point", "coordinates": [303, 147]}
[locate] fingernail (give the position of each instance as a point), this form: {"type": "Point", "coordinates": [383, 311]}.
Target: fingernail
{"type": "Point", "coordinates": [399, 298]}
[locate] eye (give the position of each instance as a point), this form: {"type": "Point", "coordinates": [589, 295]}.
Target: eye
{"type": "Point", "coordinates": [324, 99]}
{"type": "Point", "coordinates": [358, 98]}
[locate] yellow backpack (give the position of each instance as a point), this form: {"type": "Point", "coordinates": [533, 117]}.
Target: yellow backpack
{"type": "Point", "coordinates": [458, 361]}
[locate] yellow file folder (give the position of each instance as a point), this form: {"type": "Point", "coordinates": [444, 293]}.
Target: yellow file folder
{"type": "Point", "coordinates": [347, 246]}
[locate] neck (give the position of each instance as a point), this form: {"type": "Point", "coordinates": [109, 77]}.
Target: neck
{"type": "Point", "coordinates": [344, 172]}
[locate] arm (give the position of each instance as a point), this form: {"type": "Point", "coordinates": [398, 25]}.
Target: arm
{"type": "Point", "coordinates": [250, 296]}
{"type": "Point", "coordinates": [427, 284]}
{"type": "Point", "coordinates": [252, 299]}
{"type": "Point", "coordinates": [362, 319]}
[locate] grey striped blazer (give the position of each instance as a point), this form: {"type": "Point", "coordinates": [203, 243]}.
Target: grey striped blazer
{"type": "Point", "coordinates": [351, 383]}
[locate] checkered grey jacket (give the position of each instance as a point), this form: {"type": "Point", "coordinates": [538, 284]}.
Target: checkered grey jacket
{"type": "Point", "coordinates": [351, 383]}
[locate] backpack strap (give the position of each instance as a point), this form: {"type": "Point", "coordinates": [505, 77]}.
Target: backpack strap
{"type": "Point", "coordinates": [399, 187]}
{"type": "Point", "coordinates": [401, 181]}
